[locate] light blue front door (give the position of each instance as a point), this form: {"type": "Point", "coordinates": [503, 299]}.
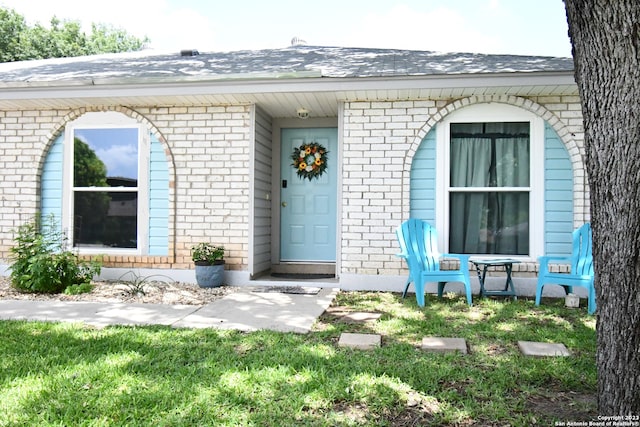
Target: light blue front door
{"type": "Point", "coordinates": [308, 207]}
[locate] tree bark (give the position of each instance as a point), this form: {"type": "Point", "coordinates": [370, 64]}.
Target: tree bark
{"type": "Point", "coordinates": [605, 36]}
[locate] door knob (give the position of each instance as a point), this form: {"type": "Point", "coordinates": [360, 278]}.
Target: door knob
{"type": "Point", "coordinates": [284, 204]}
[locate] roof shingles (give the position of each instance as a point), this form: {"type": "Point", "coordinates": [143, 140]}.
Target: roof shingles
{"type": "Point", "coordinates": [335, 62]}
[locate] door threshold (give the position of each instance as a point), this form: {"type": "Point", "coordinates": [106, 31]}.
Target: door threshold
{"type": "Point", "coordinates": [275, 279]}
{"type": "Point", "coordinates": [304, 268]}
{"type": "Point", "coordinates": [302, 276]}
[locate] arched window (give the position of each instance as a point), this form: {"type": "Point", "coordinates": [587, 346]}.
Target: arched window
{"type": "Point", "coordinates": [106, 158]}
{"type": "Point", "coordinates": [490, 181]}
{"type": "Point", "coordinates": [100, 179]}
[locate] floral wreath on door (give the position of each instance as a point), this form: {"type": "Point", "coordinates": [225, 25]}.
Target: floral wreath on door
{"type": "Point", "coordinates": [309, 160]}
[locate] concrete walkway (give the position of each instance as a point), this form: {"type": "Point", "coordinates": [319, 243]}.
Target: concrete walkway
{"type": "Point", "coordinates": [244, 310]}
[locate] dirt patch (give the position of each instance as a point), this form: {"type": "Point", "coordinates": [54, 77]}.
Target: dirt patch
{"type": "Point", "coordinates": [152, 292]}
{"type": "Point", "coordinates": [418, 411]}
{"type": "Point", "coordinates": [563, 406]}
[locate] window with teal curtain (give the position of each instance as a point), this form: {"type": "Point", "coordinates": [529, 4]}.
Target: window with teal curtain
{"type": "Point", "coordinates": [489, 188]}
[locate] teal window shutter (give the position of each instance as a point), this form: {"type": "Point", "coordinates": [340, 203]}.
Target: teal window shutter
{"type": "Point", "coordinates": [423, 180]}
{"type": "Point", "coordinates": [558, 195]}
{"type": "Point", "coordinates": [51, 182]}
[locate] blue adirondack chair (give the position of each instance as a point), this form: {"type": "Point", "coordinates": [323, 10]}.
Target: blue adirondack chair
{"type": "Point", "coordinates": [581, 261]}
{"type": "Point", "coordinates": [419, 244]}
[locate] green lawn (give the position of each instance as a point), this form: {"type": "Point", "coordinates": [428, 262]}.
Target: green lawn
{"type": "Point", "coordinates": [69, 375]}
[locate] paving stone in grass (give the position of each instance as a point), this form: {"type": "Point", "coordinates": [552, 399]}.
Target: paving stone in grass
{"type": "Point", "coordinates": [344, 315]}
{"type": "Point", "coordinates": [360, 341]}
{"type": "Point", "coordinates": [443, 345]}
{"type": "Point", "coordinates": [531, 348]}
{"type": "Point", "coordinates": [360, 317]}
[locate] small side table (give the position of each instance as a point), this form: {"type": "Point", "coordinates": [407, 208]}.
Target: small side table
{"type": "Point", "coordinates": [482, 265]}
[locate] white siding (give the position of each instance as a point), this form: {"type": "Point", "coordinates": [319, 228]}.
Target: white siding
{"type": "Point", "coordinates": [263, 162]}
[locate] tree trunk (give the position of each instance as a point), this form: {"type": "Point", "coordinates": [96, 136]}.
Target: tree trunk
{"type": "Point", "coordinates": [605, 36]}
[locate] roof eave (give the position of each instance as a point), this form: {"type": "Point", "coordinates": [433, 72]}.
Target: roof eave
{"type": "Point", "coordinates": [272, 83]}
{"type": "Point", "coordinates": [157, 80]}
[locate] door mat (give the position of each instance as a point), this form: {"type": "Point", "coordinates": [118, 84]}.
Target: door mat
{"type": "Point", "coordinates": [302, 276]}
{"type": "Point", "coordinates": [300, 290]}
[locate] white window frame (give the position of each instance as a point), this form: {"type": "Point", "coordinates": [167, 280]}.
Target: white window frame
{"type": "Point", "coordinates": [108, 120]}
{"type": "Point", "coordinates": [483, 113]}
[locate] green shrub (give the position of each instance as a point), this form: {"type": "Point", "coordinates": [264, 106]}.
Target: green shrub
{"type": "Point", "coordinates": [41, 262]}
{"type": "Point", "coordinates": [83, 288]}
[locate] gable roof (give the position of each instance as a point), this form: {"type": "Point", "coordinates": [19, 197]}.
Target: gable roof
{"type": "Point", "coordinates": [330, 62]}
{"type": "Point", "coordinates": [278, 80]}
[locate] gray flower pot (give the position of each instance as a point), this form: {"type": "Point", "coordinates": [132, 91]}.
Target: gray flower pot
{"type": "Point", "coordinates": [209, 276]}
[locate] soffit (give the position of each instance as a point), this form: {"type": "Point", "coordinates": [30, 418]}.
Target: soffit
{"type": "Point", "coordinates": [281, 98]}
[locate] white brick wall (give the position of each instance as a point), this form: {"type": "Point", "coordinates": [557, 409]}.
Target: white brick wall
{"type": "Point", "coordinates": [209, 152]}
{"type": "Point", "coordinates": [380, 139]}
{"type": "Point", "coordinates": [209, 147]}
{"type": "Point", "coordinates": [377, 138]}
{"type": "Point", "coordinates": [23, 137]}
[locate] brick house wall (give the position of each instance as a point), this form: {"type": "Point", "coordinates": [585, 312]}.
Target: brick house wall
{"type": "Point", "coordinates": [209, 153]}
{"type": "Point", "coordinates": [379, 140]}
{"type": "Point", "coordinates": [207, 149]}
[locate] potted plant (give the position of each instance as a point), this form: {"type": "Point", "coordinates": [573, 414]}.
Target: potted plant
{"type": "Point", "coordinates": [209, 260]}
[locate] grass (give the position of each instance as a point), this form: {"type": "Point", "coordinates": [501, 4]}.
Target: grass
{"type": "Point", "coordinates": [57, 374]}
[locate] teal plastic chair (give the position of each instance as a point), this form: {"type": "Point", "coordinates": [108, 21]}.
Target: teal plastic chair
{"type": "Point", "coordinates": [419, 245]}
{"type": "Point", "coordinates": [581, 261]}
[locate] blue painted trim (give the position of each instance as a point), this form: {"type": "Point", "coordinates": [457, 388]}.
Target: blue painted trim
{"type": "Point", "coordinates": [423, 180]}
{"type": "Point", "coordinates": [558, 195]}
{"type": "Point", "coordinates": [51, 182]}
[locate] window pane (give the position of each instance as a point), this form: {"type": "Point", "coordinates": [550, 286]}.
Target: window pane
{"type": "Point", "coordinates": [489, 223]}
{"type": "Point", "coordinates": [105, 219]}
{"type": "Point", "coordinates": [489, 154]}
{"type": "Point", "coordinates": [105, 157]}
